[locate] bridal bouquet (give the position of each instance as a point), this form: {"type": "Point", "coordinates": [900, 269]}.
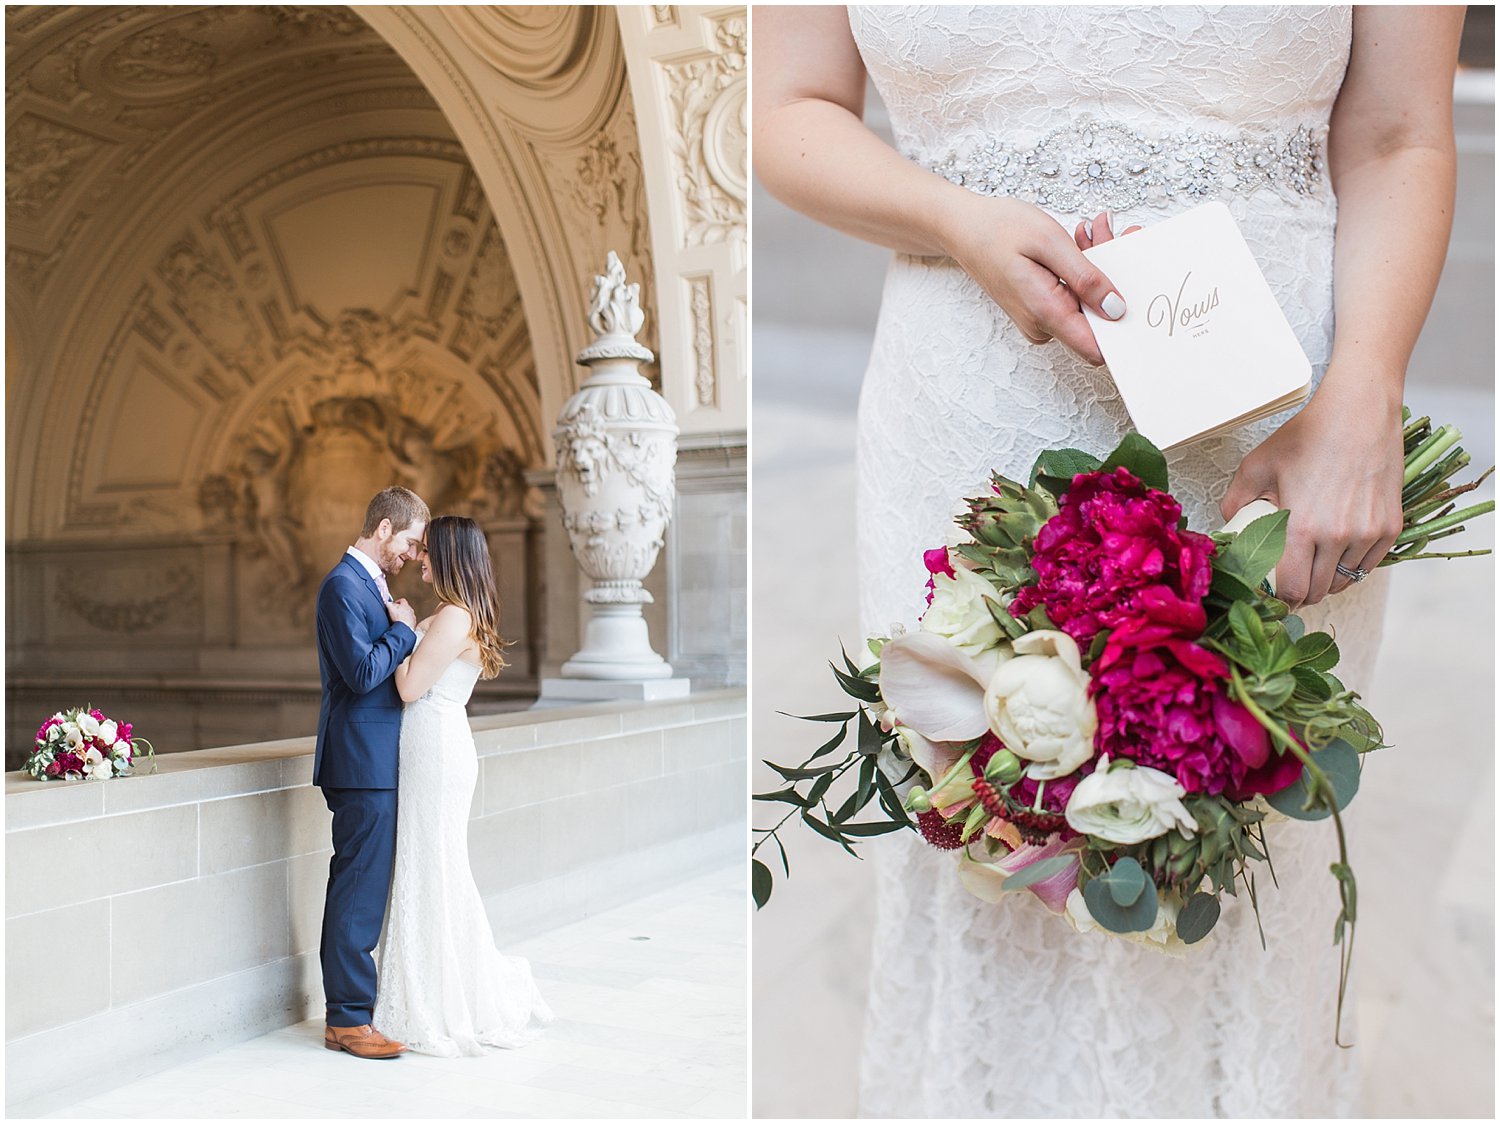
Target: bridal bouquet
{"type": "Point", "coordinates": [83, 743]}
{"type": "Point", "coordinates": [1101, 706]}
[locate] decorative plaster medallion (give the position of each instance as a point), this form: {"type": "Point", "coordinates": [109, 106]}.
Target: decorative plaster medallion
{"type": "Point", "coordinates": [174, 593]}
{"type": "Point", "coordinates": [725, 136]}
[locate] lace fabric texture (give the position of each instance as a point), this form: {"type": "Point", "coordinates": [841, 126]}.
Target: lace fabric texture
{"type": "Point", "coordinates": [979, 1010]}
{"type": "Point", "coordinates": [444, 988]}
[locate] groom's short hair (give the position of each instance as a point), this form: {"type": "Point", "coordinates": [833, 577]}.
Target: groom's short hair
{"type": "Point", "coordinates": [401, 506]}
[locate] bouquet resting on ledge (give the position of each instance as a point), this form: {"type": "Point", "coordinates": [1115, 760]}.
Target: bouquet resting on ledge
{"type": "Point", "coordinates": [1102, 707]}
{"type": "Point", "coordinates": [84, 744]}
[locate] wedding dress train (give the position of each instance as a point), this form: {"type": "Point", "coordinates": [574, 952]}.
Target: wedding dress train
{"type": "Point", "coordinates": [443, 987]}
{"type": "Point", "coordinates": [985, 1010]}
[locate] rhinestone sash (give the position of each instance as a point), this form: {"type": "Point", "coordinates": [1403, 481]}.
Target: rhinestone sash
{"type": "Point", "coordinates": [1085, 167]}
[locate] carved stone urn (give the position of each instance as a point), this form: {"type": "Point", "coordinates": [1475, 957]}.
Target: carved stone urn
{"type": "Point", "coordinates": [616, 450]}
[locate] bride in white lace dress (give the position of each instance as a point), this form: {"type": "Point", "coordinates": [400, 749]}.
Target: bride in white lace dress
{"type": "Point", "coordinates": [443, 986]}
{"type": "Point", "coordinates": [1024, 135]}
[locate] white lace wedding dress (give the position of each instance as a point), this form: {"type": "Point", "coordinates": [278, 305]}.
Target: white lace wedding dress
{"type": "Point", "coordinates": [443, 986]}
{"type": "Point", "coordinates": [982, 1010]}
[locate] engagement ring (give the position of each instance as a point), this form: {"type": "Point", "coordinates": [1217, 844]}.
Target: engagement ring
{"type": "Point", "coordinates": [1358, 574]}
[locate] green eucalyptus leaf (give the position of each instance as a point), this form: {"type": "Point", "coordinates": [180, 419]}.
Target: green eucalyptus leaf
{"type": "Point", "coordinates": [1198, 917]}
{"type": "Point", "coordinates": [1340, 761]}
{"type": "Point", "coordinates": [1038, 872]}
{"type": "Point", "coordinates": [1142, 458]}
{"type": "Point", "coordinates": [1295, 626]}
{"type": "Point", "coordinates": [1136, 918]}
{"type": "Point", "coordinates": [760, 882]}
{"type": "Point", "coordinates": [1126, 882]}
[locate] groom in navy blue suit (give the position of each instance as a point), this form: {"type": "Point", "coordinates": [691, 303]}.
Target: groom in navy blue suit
{"type": "Point", "coordinates": [361, 642]}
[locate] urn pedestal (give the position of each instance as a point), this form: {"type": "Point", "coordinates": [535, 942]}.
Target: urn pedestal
{"type": "Point", "coordinates": [616, 451]}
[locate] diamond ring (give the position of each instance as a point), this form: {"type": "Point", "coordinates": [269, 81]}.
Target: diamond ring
{"type": "Point", "coordinates": [1358, 574]}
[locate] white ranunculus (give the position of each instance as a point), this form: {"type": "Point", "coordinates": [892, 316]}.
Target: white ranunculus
{"type": "Point", "coordinates": [1128, 804]}
{"type": "Point", "coordinates": [1162, 935]}
{"type": "Point", "coordinates": [108, 731]}
{"type": "Point", "coordinates": [960, 612]}
{"type": "Point", "coordinates": [1038, 705]}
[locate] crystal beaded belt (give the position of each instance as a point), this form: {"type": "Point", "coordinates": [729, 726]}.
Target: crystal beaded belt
{"type": "Point", "coordinates": [1086, 167]}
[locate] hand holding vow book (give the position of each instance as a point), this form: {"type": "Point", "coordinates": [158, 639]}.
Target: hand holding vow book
{"type": "Point", "coordinates": [1203, 347]}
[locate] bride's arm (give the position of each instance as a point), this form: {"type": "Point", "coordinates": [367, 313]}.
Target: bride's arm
{"type": "Point", "coordinates": [1337, 465]}
{"type": "Point", "coordinates": [447, 637]}
{"type": "Point", "coordinates": [813, 152]}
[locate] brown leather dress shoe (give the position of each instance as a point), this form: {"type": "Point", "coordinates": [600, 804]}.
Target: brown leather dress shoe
{"type": "Point", "coordinates": [362, 1042]}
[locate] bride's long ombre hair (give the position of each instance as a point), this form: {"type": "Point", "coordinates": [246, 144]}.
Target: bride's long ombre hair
{"type": "Point", "coordinates": [462, 575]}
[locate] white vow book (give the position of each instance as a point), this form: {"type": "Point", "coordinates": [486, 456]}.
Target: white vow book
{"type": "Point", "coordinates": [1203, 346]}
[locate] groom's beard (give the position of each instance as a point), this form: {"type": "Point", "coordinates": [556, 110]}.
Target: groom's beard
{"type": "Point", "coordinates": [390, 562]}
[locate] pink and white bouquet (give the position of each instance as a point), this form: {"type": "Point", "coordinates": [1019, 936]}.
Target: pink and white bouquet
{"type": "Point", "coordinates": [1101, 706]}
{"type": "Point", "coordinates": [84, 744]}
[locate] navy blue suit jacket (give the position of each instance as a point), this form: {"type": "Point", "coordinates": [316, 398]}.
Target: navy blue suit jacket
{"type": "Point", "coordinates": [359, 649]}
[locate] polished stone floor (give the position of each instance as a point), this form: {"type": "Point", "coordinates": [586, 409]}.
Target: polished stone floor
{"type": "Point", "coordinates": [1424, 844]}
{"type": "Point", "coordinates": [650, 1003]}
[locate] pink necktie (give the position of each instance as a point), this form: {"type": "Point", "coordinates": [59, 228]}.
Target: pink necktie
{"type": "Point", "coordinates": [385, 590]}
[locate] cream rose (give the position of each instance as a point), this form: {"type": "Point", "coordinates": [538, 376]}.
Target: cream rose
{"type": "Point", "coordinates": [1038, 705]}
{"type": "Point", "coordinates": [960, 612]}
{"type": "Point", "coordinates": [1128, 804]}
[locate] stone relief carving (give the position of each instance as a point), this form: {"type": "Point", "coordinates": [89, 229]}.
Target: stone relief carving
{"type": "Point", "coordinates": [663, 15]}
{"type": "Point", "coordinates": [355, 421]}
{"type": "Point", "coordinates": [138, 74]}
{"type": "Point", "coordinates": [42, 159]}
{"type": "Point", "coordinates": [615, 305]}
{"type": "Point", "coordinates": [492, 296]}
{"type": "Point", "coordinates": [154, 598]}
{"type": "Point", "coordinates": [605, 202]}
{"type": "Point", "coordinates": [708, 143]}
{"type": "Point", "coordinates": [705, 378]}
{"type": "Point", "coordinates": [153, 58]}
{"type": "Point", "coordinates": [205, 297]}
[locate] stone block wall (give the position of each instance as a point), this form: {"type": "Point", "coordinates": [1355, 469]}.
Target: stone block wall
{"type": "Point", "coordinates": [170, 914]}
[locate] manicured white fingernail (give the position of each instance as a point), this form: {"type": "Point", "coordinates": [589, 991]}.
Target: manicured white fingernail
{"type": "Point", "coordinates": [1088, 228]}
{"type": "Point", "coordinates": [1109, 222]}
{"type": "Point", "coordinates": [1113, 307]}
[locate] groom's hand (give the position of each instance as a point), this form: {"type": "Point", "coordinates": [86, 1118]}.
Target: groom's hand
{"type": "Point", "coordinates": [401, 611]}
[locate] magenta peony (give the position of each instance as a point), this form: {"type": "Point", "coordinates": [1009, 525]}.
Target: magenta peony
{"type": "Point", "coordinates": [1161, 702]}
{"type": "Point", "coordinates": [1111, 539]}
